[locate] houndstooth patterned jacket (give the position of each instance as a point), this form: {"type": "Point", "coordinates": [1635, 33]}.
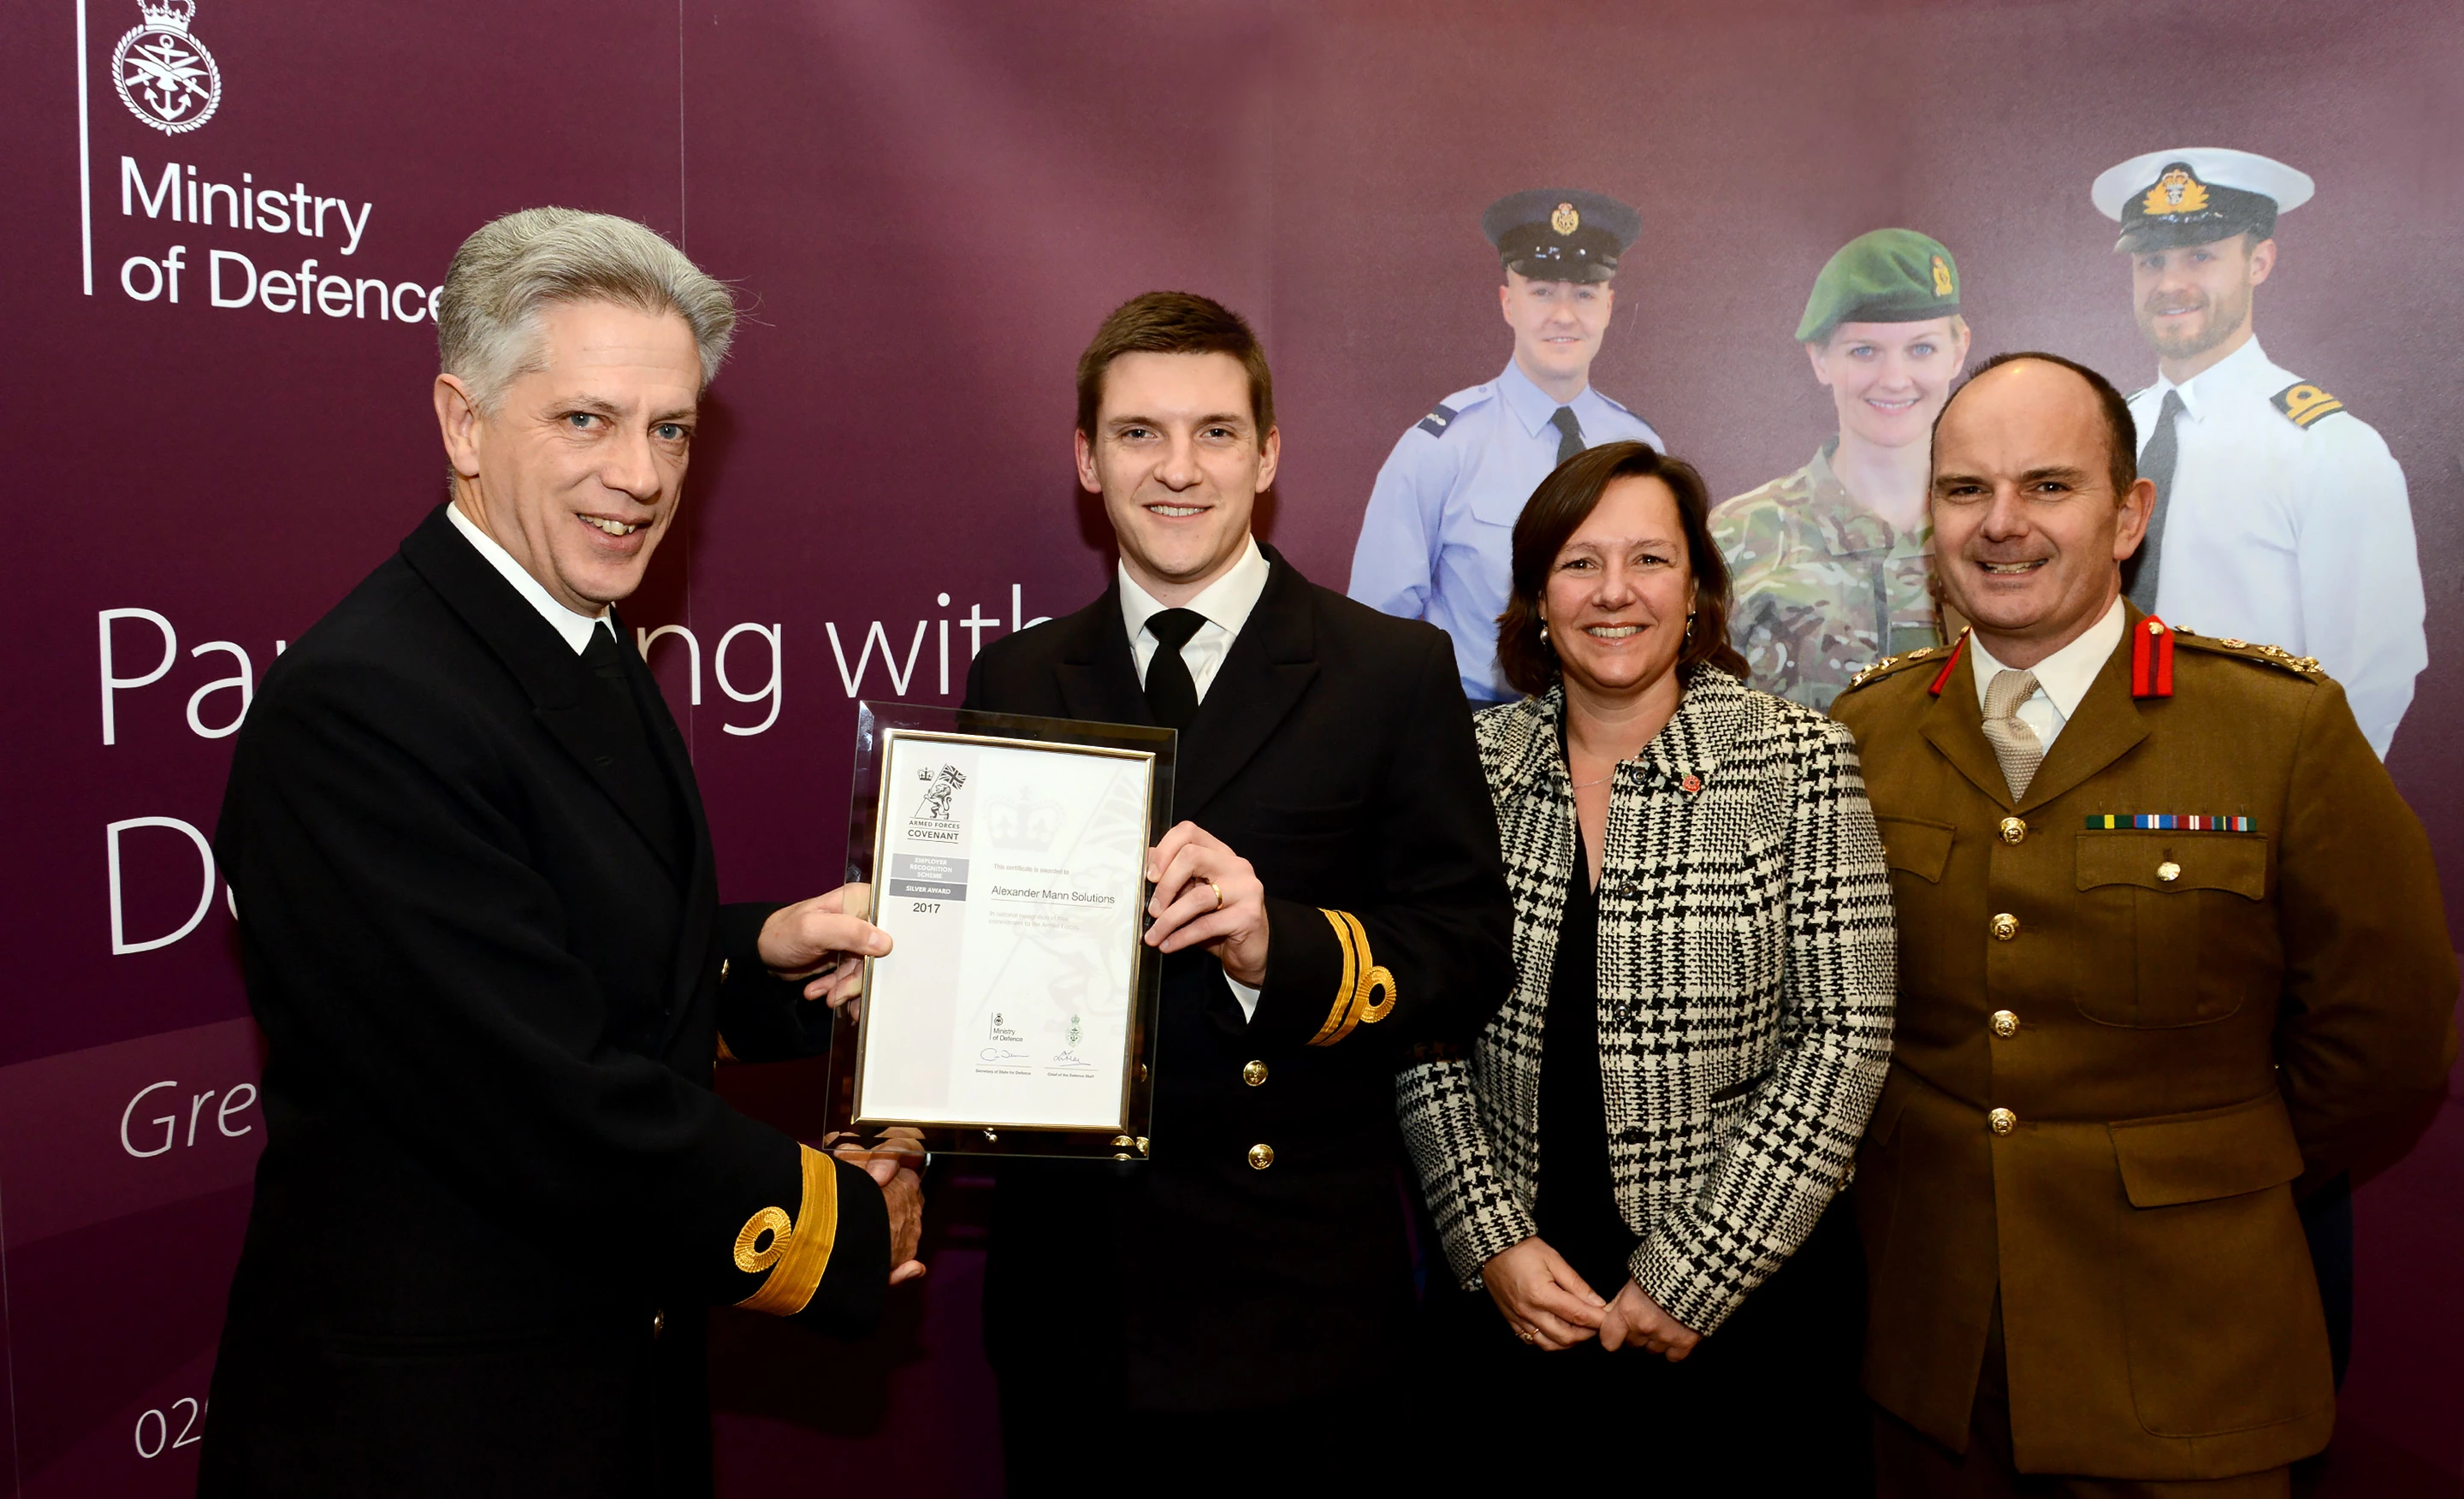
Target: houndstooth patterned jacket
{"type": "Point", "coordinates": [1744, 994]}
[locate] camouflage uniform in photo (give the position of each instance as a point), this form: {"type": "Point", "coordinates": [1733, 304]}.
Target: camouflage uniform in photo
{"type": "Point", "coordinates": [1823, 586]}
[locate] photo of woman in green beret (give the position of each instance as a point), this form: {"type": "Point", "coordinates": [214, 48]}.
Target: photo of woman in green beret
{"type": "Point", "coordinates": [1832, 562]}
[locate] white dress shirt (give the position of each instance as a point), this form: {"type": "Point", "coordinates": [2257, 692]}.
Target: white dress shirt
{"type": "Point", "coordinates": [2063, 679]}
{"type": "Point", "coordinates": [1226, 604]}
{"type": "Point", "coordinates": [2299, 536]}
{"type": "Point", "coordinates": [574, 628]}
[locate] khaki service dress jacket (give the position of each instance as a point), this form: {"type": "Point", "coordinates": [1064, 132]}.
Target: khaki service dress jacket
{"type": "Point", "coordinates": [2122, 1049]}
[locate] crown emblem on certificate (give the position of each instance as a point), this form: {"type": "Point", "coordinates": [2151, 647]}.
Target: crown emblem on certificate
{"type": "Point", "coordinates": [2176, 191]}
{"type": "Point", "coordinates": [1565, 221]}
{"type": "Point", "coordinates": [163, 73]}
{"type": "Point", "coordinates": [1023, 822]}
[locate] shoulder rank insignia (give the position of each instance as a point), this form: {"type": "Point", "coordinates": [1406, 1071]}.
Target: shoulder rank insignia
{"type": "Point", "coordinates": [2304, 403]}
{"type": "Point", "coordinates": [1436, 422]}
{"type": "Point", "coordinates": [2271, 655]}
{"type": "Point", "coordinates": [1878, 670]}
{"type": "Point", "coordinates": [2151, 659]}
{"type": "Point", "coordinates": [1891, 664]}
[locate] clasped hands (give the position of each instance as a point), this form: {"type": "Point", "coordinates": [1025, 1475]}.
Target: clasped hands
{"type": "Point", "coordinates": [824, 940]}
{"type": "Point", "coordinates": [1548, 1306]}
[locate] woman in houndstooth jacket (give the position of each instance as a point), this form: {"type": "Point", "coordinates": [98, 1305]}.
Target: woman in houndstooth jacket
{"type": "Point", "coordinates": [1700, 1022]}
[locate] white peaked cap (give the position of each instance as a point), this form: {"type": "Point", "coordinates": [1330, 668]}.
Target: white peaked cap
{"type": "Point", "coordinates": [2246, 172]}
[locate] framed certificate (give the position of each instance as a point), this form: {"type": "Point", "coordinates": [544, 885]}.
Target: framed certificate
{"type": "Point", "coordinates": [1015, 1013]}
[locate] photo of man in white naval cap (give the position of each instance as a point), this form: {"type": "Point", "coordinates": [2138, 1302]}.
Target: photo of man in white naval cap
{"type": "Point", "coordinates": [2281, 516]}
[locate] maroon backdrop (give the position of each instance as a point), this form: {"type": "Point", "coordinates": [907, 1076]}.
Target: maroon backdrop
{"type": "Point", "coordinates": [928, 205]}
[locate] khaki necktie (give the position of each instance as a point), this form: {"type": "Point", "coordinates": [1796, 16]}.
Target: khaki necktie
{"type": "Point", "coordinates": [2015, 744]}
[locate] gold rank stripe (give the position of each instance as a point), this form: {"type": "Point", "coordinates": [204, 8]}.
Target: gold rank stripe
{"type": "Point", "coordinates": [803, 1250]}
{"type": "Point", "coordinates": [2304, 403]}
{"type": "Point", "coordinates": [1361, 979]}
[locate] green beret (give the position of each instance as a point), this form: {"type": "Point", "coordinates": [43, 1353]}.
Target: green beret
{"type": "Point", "coordinates": [1889, 276]}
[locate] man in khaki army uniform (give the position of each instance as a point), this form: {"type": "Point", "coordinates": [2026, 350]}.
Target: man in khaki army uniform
{"type": "Point", "coordinates": [2172, 951]}
{"type": "Point", "coordinates": [1832, 564]}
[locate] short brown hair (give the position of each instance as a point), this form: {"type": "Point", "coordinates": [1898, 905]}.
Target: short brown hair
{"type": "Point", "coordinates": [1174, 322]}
{"type": "Point", "coordinates": [1558, 508]}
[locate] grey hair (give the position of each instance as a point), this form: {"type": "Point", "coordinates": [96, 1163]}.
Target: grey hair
{"type": "Point", "coordinates": [487, 330]}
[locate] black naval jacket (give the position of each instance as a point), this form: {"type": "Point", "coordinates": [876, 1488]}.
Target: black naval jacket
{"type": "Point", "coordinates": [1260, 1255]}
{"type": "Point", "coordinates": [480, 930]}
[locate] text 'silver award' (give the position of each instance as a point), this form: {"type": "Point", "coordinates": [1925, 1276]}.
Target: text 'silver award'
{"type": "Point", "coordinates": [1015, 1013]}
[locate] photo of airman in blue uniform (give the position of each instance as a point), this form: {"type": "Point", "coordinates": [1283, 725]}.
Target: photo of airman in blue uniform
{"type": "Point", "coordinates": [1437, 541]}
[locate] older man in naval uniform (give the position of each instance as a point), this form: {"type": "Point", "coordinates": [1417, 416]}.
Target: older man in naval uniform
{"type": "Point", "coordinates": [2171, 953]}
{"type": "Point", "coordinates": [480, 927]}
{"type": "Point", "coordinates": [1235, 1312]}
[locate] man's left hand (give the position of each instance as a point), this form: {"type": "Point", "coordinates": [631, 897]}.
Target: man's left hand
{"type": "Point", "coordinates": [1635, 1318]}
{"type": "Point", "coordinates": [1207, 895]}
{"type": "Point", "coordinates": [825, 940]}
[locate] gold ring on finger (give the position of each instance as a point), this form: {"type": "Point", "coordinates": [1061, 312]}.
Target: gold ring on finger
{"type": "Point", "coordinates": [1219, 893]}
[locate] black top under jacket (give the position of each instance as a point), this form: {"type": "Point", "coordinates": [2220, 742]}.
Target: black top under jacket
{"type": "Point", "coordinates": [1576, 1211]}
{"type": "Point", "coordinates": [479, 925]}
{"type": "Point", "coordinates": [1333, 751]}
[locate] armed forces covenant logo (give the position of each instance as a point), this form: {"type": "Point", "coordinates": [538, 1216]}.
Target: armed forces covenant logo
{"type": "Point", "coordinates": [165, 76]}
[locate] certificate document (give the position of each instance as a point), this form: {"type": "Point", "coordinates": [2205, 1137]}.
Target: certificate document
{"type": "Point", "coordinates": [1009, 875]}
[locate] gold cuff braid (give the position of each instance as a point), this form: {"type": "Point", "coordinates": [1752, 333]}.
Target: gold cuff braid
{"type": "Point", "coordinates": [1361, 979]}
{"type": "Point", "coordinates": [799, 1253]}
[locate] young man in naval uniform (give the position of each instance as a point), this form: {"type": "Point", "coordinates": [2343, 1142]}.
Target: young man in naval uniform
{"type": "Point", "coordinates": [1438, 541]}
{"type": "Point", "coordinates": [2171, 955]}
{"type": "Point", "coordinates": [1236, 1309]}
{"type": "Point", "coordinates": [2280, 515]}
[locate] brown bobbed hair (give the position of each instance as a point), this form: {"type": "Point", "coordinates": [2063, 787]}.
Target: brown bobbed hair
{"type": "Point", "coordinates": [1558, 508]}
{"type": "Point", "coordinates": [1174, 322]}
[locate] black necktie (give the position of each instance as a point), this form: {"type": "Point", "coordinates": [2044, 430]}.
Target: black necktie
{"type": "Point", "coordinates": [1570, 433]}
{"type": "Point", "coordinates": [1171, 693]}
{"type": "Point", "coordinates": [635, 762]}
{"type": "Point", "coordinates": [2156, 466]}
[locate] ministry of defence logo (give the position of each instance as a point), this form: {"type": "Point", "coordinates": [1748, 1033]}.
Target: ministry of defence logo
{"type": "Point", "coordinates": [165, 76]}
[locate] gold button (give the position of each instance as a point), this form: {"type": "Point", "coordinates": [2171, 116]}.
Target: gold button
{"type": "Point", "coordinates": [2013, 829]}
{"type": "Point", "coordinates": [658, 1323]}
{"type": "Point", "coordinates": [2006, 926]}
{"type": "Point", "coordinates": [2004, 1024]}
{"type": "Point", "coordinates": [1254, 1073]}
{"type": "Point", "coordinates": [1261, 1156]}
{"type": "Point", "coordinates": [723, 970]}
{"type": "Point", "coordinates": [2002, 1121]}
{"type": "Point", "coordinates": [2168, 871]}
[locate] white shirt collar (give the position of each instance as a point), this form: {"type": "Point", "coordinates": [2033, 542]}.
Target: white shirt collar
{"type": "Point", "coordinates": [2063, 677]}
{"type": "Point", "coordinates": [2245, 367]}
{"type": "Point", "coordinates": [1227, 601]}
{"type": "Point", "coordinates": [574, 628]}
